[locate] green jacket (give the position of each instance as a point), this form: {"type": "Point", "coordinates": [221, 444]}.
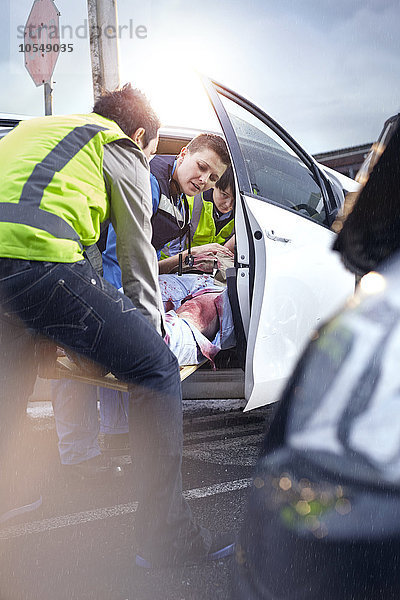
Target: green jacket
{"type": "Point", "coordinates": [52, 189]}
{"type": "Point", "coordinates": [60, 177]}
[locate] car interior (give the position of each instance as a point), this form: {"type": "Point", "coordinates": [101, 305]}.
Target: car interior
{"type": "Point", "coordinates": [172, 143]}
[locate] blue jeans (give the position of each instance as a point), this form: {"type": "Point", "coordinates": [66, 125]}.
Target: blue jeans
{"type": "Point", "coordinates": [74, 306]}
{"type": "Point", "coordinates": [77, 420]}
{"type": "Point", "coordinates": [114, 411]}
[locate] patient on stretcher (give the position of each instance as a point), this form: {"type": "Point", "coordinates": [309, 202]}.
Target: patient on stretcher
{"type": "Point", "coordinates": [198, 321]}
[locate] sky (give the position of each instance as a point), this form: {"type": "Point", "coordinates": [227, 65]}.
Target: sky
{"type": "Point", "coordinates": [327, 70]}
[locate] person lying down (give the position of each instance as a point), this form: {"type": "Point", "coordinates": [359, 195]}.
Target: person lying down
{"type": "Point", "coordinates": [198, 318]}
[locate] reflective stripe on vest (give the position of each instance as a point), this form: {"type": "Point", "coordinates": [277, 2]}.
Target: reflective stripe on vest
{"type": "Point", "coordinates": [28, 211]}
{"type": "Point", "coordinates": [38, 218]}
{"type": "Point", "coordinates": [167, 206]}
{"type": "Point", "coordinates": [53, 183]}
{"type": "Point", "coordinates": [196, 214]}
{"type": "Point", "coordinates": [56, 160]}
{"type": "Point", "coordinates": [203, 225]}
{"type": "Point", "coordinates": [168, 222]}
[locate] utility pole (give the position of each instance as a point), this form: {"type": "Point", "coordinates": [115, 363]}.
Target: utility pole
{"type": "Point", "coordinates": [103, 31]}
{"type": "Point", "coordinates": [48, 97]}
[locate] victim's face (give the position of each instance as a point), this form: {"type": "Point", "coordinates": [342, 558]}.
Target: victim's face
{"type": "Point", "coordinates": [198, 171]}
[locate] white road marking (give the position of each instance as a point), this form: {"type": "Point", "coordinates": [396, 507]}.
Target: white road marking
{"type": "Point", "coordinates": [232, 442]}
{"type": "Point", "coordinates": [112, 511]}
{"type": "Point", "coordinates": [40, 410]}
{"type": "Point", "coordinates": [67, 520]}
{"type": "Point", "coordinates": [218, 488]}
{"type": "Point", "coordinates": [42, 415]}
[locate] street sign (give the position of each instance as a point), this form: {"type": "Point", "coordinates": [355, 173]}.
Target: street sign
{"type": "Point", "coordinates": [42, 41]}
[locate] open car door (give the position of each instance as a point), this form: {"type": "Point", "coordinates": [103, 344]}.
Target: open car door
{"type": "Point", "coordinates": [288, 281]}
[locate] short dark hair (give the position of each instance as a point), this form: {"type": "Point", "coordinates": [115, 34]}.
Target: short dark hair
{"type": "Point", "coordinates": [211, 141]}
{"type": "Point", "coordinates": [227, 180]}
{"type": "Point", "coordinates": [130, 109]}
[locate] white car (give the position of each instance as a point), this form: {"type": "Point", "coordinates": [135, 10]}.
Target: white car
{"type": "Point", "coordinates": [286, 280]}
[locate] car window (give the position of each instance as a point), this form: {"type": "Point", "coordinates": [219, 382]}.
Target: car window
{"type": "Point", "coordinates": [275, 172]}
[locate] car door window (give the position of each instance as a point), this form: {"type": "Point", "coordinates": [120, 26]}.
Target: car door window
{"type": "Point", "coordinates": [275, 172]}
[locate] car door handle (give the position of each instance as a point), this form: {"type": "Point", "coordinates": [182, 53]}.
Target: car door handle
{"type": "Point", "coordinates": [275, 238]}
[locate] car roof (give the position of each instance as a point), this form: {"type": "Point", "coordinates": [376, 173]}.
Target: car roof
{"type": "Point", "coordinates": [172, 139]}
{"type": "Point", "coordinates": [8, 121]}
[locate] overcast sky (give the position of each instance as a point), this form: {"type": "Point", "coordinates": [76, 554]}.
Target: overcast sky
{"type": "Point", "coordinates": [327, 70]}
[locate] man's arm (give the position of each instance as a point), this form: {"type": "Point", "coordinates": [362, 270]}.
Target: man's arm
{"type": "Point", "coordinates": [127, 179]}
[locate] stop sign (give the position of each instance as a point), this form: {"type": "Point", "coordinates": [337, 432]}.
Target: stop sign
{"type": "Point", "coordinates": [42, 40]}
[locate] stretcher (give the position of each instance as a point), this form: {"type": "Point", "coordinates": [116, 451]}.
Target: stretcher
{"type": "Point", "coordinates": [65, 368]}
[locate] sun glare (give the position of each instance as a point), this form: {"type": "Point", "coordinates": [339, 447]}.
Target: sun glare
{"type": "Point", "coordinates": [176, 94]}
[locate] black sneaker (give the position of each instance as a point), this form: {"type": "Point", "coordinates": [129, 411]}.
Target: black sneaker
{"type": "Point", "coordinates": [97, 467]}
{"type": "Point", "coordinates": [222, 546]}
{"type": "Point", "coordinates": [116, 441]}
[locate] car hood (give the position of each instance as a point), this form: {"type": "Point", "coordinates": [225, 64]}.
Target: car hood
{"type": "Point", "coordinates": [346, 183]}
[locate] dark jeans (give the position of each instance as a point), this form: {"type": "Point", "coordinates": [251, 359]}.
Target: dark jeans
{"type": "Point", "coordinates": [74, 306]}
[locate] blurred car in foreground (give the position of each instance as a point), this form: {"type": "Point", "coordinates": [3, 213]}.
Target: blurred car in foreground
{"type": "Point", "coordinates": [323, 517]}
{"type": "Point", "coordinates": [325, 499]}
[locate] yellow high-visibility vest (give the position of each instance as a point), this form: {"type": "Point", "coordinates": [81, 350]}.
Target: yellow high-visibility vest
{"type": "Point", "coordinates": [52, 190]}
{"type": "Point", "coordinates": [203, 229]}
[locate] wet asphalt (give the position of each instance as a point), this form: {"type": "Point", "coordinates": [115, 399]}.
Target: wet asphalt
{"type": "Point", "coordinates": [79, 544]}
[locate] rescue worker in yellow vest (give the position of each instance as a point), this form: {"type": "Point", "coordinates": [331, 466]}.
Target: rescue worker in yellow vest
{"type": "Point", "coordinates": [60, 178]}
{"type": "Point", "coordinates": [212, 219]}
{"type": "Point", "coordinates": [211, 224]}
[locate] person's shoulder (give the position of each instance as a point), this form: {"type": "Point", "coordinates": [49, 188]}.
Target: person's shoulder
{"type": "Point", "coordinates": [161, 164]}
{"type": "Point", "coordinates": [125, 151]}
